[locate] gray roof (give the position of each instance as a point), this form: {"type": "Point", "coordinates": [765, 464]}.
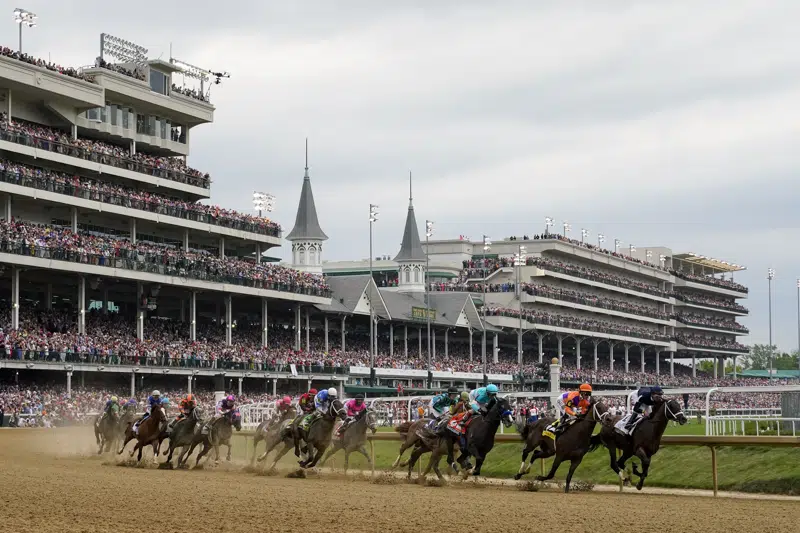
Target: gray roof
{"type": "Point", "coordinates": [346, 292]}
{"type": "Point", "coordinates": [448, 306]}
{"type": "Point", "coordinates": [306, 225]}
{"type": "Point", "coordinates": [411, 248]}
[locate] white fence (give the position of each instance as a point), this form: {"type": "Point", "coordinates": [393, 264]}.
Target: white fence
{"type": "Point", "coordinates": [255, 413]}
{"type": "Point", "coordinates": [739, 425]}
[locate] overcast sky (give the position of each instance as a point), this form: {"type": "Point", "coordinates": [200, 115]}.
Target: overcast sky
{"type": "Point", "coordinates": [659, 123]}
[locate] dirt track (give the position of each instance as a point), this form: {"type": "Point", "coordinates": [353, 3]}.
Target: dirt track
{"type": "Point", "coordinates": [51, 482]}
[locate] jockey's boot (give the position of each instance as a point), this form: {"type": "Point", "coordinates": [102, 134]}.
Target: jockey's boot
{"type": "Point", "coordinates": [632, 421]}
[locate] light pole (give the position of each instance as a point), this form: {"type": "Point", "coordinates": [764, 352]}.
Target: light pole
{"type": "Point", "coordinates": [631, 249]}
{"type": "Point", "coordinates": [617, 244]}
{"type": "Point", "coordinates": [520, 260]}
{"type": "Point", "coordinates": [548, 223]}
{"type": "Point", "coordinates": [648, 255]}
{"type": "Point", "coordinates": [567, 228]}
{"type": "Point", "coordinates": [584, 235]}
{"type": "Point", "coordinates": [600, 240]}
{"type": "Point", "coordinates": [373, 217]}
{"type": "Point", "coordinates": [663, 259]}
{"type": "Point", "coordinates": [798, 323]}
{"type": "Point", "coordinates": [428, 233]}
{"type": "Point", "coordinates": [24, 18]}
{"type": "Point", "coordinates": [487, 245]}
{"type": "Point", "coordinates": [263, 202]}
{"type": "Point", "coordinates": [770, 277]}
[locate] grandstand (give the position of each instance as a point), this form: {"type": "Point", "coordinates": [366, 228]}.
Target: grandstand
{"type": "Point", "coordinates": [111, 266]}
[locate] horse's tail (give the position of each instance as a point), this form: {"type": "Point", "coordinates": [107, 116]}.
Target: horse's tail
{"type": "Point", "coordinates": [404, 428]}
{"type": "Point", "coordinates": [595, 442]}
{"type": "Point", "coordinates": [523, 431]}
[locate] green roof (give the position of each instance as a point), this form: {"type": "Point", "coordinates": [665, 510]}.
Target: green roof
{"type": "Point", "coordinates": [780, 374]}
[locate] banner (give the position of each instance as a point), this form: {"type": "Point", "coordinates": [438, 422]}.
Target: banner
{"type": "Point", "coordinates": [419, 313]}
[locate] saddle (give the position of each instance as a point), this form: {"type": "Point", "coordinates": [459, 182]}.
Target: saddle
{"type": "Point", "coordinates": [619, 427]}
{"type": "Point", "coordinates": [455, 425]}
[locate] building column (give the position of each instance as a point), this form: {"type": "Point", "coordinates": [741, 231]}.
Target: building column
{"type": "Point", "coordinates": [228, 319]}
{"type": "Point", "coordinates": [540, 338]}
{"type": "Point", "coordinates": [391, 339]}
{"type": "Point", "coordinates": [560, 354]}
{"type": "Point", "coordinates": [694, 366]}
{"type": "Point", "coordinates": [74, 219]}
{"type": "Point", "coordinates": [627, 360]}
{"type": "Point", "coordinates": [186, 240]}
{"type": "Point", "coordinates": [264, 323]}
{"type": "Point", "coordinates": [69, 384]}
{"type": "Point", "coordinates": [471, 341]}
{"type": "Point", "coordinates": [483, 347]}
{"type": "Point", "coordinates": [595, 354]}
{"type": "Point", "coordinates": [74, 132]}
{"type": "Point", "coordinates": [419, 341]}
{"type": "Point", "coordinates": [7, 208]}
{"type": "Point", "coordinates": [193, 316]}
{"type": "Point", "coordinates": [133, 384]}
{"type": "Point", "coordinates": [222, 247]}
{"type": "Point", "coordinates": [641, 358]}
{"type": "Point", "coordinates": [240, 386]}
{"type": "Point", "coordinates": [611, 347]}
{"type": "Point", "coordinates": [715, 363]}
{"type": "Point", "coordinates": [658, 362]}
{"type": "Point", "coordinates": [48, 304]}
{"type": "Point", "coordinates": [82, 305]}
{"type": "Point", "coordinates": [14, 298]}
{"type": "Point", "coordinates": [405, 341]}
{"type": "Point", "coordinates": [308, 332]}
{"type": "Point", "coordinates": [275, 386]}
{"type": "Point", "coordinates": [734, 367]}
{"type": "Point", "coordinates": [140, 314]}
{"type": "Point", "coordinates": [257, 256]}
{"type": "Point", "coordinates": [344, 318]}
{"type": "Point", "coordinates": [447, 343]}
{"type": "Point", "coordinates": [494, 351]}
{"type": "Point", "coordinates": [672, 364]}
{"type": "Point", "coordinates": [433, 343]}
{"type": "Point", "coordinates": [297, 329]}
{"type": "Point", "coordinates": [189, 384]}
{"type": "Point", "coordinates": [578, 342]}
{"type": "Point", "coordinates": [326, 334]}
{"type": "Point", "coordinates": [132, 229]}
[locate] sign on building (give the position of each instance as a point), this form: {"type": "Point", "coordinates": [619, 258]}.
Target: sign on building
{"type": "Point", "coordinates": [418, 313]}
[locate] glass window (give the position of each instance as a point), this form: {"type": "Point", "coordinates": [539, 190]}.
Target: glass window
{"type": "Point", "coordinates": [113, 112]}
{"type": "Point", "coordinates": [416, 276]}
{"type": "Point", "coordinates": [158, 82]}
{"type": "Point", "coordinates": [104, 114]}
{"type": "Point", "coordinates": [312, 257]}
{"type": "Point", "coordinates": [151, 125]}
{"type": "Point", "coordinates": [301, 257]}
{"type": "Point", "coordinates": [126, 118]}
{"type": "Point", "coordinates": [140, 121]}
{"type": "Point", "coordinates": [93, 114]}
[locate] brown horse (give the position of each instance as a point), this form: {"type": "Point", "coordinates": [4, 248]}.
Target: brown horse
{"type": "Point", "coordinates": [532, 436]}
{"type": "Point", "coordinates": [148, 433]}
{"type": "Point", "coordinates": [644, 443]}
{"type": "Point", "coordinates": [106, 431]}
{"type": "Point", "coordinates": [409, 430]}
{"type": "Point", "coordinates": [573, 443]}
{"type": "Point", "coordinates": [267, 430]}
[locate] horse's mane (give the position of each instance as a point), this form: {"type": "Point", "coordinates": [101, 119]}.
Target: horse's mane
{"type": "Point", "coordinates": [405, 427]}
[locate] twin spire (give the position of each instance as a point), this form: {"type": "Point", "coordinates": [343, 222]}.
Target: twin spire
{"type": "Point", "coordinates": [306, 224]}
{"type": "Point", "coordinates": [411, 247]}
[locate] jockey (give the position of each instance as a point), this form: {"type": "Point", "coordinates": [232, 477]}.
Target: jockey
{"type": "Point", "coordinates": [154, 400]}
{"type": "Point", "coordinates": [112, 407]}
{"type": "Point", "coordinates": [306, 401]}
{"type": "Point", "coordinates": [282, 406]}
{"type": "Point", "coordinates": [440, 404]}
{"type": "Point", "coordinates": [571, 405]}
{"type": "Point", "coordinates": [462, 405]}
{"type": "Point", "coordinates": [355, 406]}
{"type": "Point", "coordinates": [224, 406]}
{"type": "Point", "coordinates": [185, 408]}
{"type": "Point", "coordinates": [479, 401]}
{"type": "Point", "coordinates": [323, 400]}
{"type": "Point", "coordinates": [642, 402]}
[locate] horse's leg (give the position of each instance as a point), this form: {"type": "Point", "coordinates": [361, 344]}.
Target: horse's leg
{"type": "Point", "coordinates": [317, 457]}
{"type": "Point", "coordinates": [204, 451]}
{"type": "Point", "coordinates": [574, 463]}
{"type": "Point", "coordinates": [435, 456]}
{"type": "Point", "coordinates": [346, 460]}
{"type": "Point", "coordinates": [621, 463]}
{"type": "Point", "coordinates": [556, 463]}
{"type": "Point", "coordinates": [363, 451]}
{"type": "Point", "coordinates": [256, 440]}
{"type": "Point", "coordinates": [522, 469]}
{"type": "Point", "coordinates": [612, 455]}
{"type": "Point", "coordinates": [451, 460]}
{"type": "Point", "coordinates": [412, 460]}
{"type": "Point", "coordinates": [286, 447]}
{"type": "Point", "coordinates": [403, 447]}
{"type": "Point", "coordinates": [336, 447]}
{"type": "Point", "coordinates": [155, 446]}
{"type": "Point", "coordinates": [140, 447]}
{"type": "Point", "coordinates": [645, 459]}
{"type": "Point", "coordinates": [228, 444]}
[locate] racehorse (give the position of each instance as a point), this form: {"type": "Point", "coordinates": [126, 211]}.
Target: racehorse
{"type": "Point", "coordinates": [573, 443]}
{"type": "Point", "coordinates": [182, 435]}
{"type": "Point", "coordinates": [106, 432]}
{"type": "Point", "coordinates": [479, 437]}
{"type": "Point", "coordinates": [267, 430]}
{"type": "Point", "coordinates": [532, 436]}
{"type": "Point", "coordinates": [219, 434]}
{"type": "Point", "coordinates": [148, 433]}
{"type": "Point", "coordinates": [644, 442]}
{"type": "Point", "coordinates": [420, 447]}
{"type": "Point", "coordinates": [277, 434]}
{"type": "Point", "coordinates": [409, 429]}
{"type": "Point", "coordinates": [354, 437]}
{"type": "Point", "coordinates": [318, 435]}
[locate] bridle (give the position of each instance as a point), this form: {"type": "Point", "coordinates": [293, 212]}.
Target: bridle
{"type": "Point", "coordinates": [673, 415]}
{"type": "Point", "coordinates": [596, 415]}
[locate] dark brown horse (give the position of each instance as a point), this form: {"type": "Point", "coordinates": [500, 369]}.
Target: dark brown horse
{"type": "Point", "coordinates": [317, 436]}
{"type": "Point", "coordinates": [409, 431]}
{"type": "Point", "coordinates": [106, 431]}
{"type": "Point", "coordinates": [644, 442]}
{"type": "Point", "coordinates": [148, 433]}
{"type": "Point", "coordinates": [532, 436]}
{"type": "Point", "coordinates": [573, 443]}
{"type": "Point", "coordinates": [218, 433]}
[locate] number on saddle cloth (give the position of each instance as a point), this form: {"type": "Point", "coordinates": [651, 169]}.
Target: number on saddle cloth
{"type": "Point", "coordinates": [620, 425]}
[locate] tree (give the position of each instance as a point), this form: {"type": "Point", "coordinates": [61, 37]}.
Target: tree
{"type": "Point", "coordinates": [706, 366]}
{"type": "Point", "coordinates": [758, 358]}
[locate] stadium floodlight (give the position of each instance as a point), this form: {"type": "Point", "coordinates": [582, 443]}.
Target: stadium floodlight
{"type": "Point", "coordinates": [600, 240]}
{"type": "Point", "coordinates": [770, 277]}
{"type": "Point", "coordinates": [520, 257]}
{"type": "Point", "coordinates": [584, 234]}
{"type": "Point", "coordinates": [567, 228]}
{"type": "Point", "coordinates": [24, 18]}
{"type": "Point", "coordinates": [770, 274]}
{"type": "Point", "coordinates": [617, 244]}
{"type": "Point", "coordinates": [191, 71]}
{"type": "Point", "coordinates": [263, 202]}
{"type": "Point", "coordinates": [123, 50]}
{"type": "Point", "coordinates": [487, 243]}
{"type": "Point", "coordinates": [649, 255]}
{"type": "Point", "coordinates": [548, 223]}
{"type": "Point", "coordinates": [373, 212]}
{"type": "Point", "coordinates": [632, 249]}
{"type": "Point", "coordinates": [428, 228]}
{"type": "Point", "coordinates": [663, 259]}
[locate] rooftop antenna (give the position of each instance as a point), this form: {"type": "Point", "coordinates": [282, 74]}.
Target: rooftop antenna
{"type": "Point", "coordinates": [306, 158]}
{"type": "Point", "coordinates": [410, 195]}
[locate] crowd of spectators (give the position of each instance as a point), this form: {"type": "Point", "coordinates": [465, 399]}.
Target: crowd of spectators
{"type": "Point", "coordinates": [710, 301]}
{"type": "Point", "coordinates": [58, 243]}
{"type": "Point", "coordinates": [595, 275]}
{"type": "Point", "coordinates": [135, 73]}
{"type": "Point", "coordinates": [99, 191]}
{"type": "Point", "coordinates": [53, 140]}
{"type": "Point", "coordinates": [703, 341]}
{"type": "Point", "coordinates": [53, 67]}
{"type": "Point", "coordinates": [191, 93]}
{"type": "Point", "coordinates": [556, 293]}
{"type": "Point", "coordinates": [709, 280]}
{"type": "Point", "coordinates": [581, 324]}
{"type": "Point", "coordinates": [696, 319]}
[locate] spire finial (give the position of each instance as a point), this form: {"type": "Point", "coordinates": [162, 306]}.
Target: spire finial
{"type": "Point", "coordinates": [306, 157]}
{"type": "Point", "coordinates": [410, 194]}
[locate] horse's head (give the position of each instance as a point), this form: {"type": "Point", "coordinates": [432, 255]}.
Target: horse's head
{"type": "Point", "coordinates": [236, 419]}
{"type": "Point", "coordinates": [598, 412]}
{"type": "Point", "coordinates": [673, 411]}
{"type": "Point", "coordinates": [337, 410]}
{"type": "Point", "coordinates": [159, 413]}
{"type": "Point", "coordinates": [371, 418]}
{"type": "Point", "coordinates": [503, 409]}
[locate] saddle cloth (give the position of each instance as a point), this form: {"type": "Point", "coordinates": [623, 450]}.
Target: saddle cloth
{"type": "Point", "coordinates": [454, 424]}
{"type": "Point", "coordinates": [620, 425]}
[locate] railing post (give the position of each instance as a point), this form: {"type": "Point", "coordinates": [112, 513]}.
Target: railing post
{"type": "Point", "coordinates": [714, 468]}
{"type": "Point", "coordinates": [372, 454]}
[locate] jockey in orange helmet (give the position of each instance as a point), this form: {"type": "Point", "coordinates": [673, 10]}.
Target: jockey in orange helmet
{"type": "Point", "coordinates": [571, 405]}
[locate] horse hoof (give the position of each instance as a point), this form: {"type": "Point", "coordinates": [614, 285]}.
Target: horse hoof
{"type": "Point", "coordinates": [517, 477]}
